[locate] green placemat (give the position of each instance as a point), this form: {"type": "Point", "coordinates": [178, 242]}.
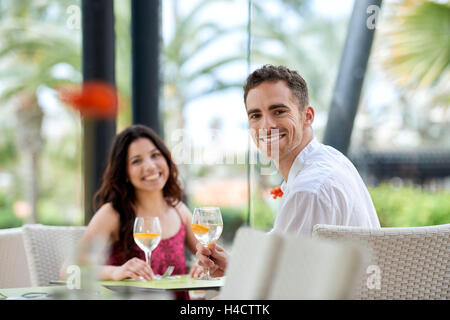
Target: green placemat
{"type": "Point", "coordinates": [183, 282]}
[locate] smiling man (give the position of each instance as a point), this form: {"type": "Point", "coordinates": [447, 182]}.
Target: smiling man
{"type": "Point", "coordinates": [321, 186]}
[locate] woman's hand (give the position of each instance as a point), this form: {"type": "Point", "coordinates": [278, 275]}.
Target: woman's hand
{"type": "Point", "coordinates": [134, 268]}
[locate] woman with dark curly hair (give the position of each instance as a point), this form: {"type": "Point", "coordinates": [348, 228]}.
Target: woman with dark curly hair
{"type": "Point", "coordinates": [141, 180]}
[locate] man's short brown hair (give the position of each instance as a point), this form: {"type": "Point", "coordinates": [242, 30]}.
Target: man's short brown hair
{"type": "Point", "coordinates": [269, 72]}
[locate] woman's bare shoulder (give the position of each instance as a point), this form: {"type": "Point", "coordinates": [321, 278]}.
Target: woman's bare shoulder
{"type": "Point", "coordinates": [106, 216]}
{"type": "Point", "coordinates": [184, 211]}
{"type": "Point", "coordinates": [105, 222]}
{"type": "Point", "coordinates": [107, 208]}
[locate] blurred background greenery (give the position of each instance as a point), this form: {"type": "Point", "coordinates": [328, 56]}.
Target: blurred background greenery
{"type": "Point", "coordinates": [404, 104]}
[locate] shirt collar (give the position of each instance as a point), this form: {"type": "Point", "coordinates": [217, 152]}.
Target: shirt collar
{"type": "Point", "coordinates": [299, 163]}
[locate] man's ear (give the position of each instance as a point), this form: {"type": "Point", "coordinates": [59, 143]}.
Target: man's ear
{"type": "Point", "coordinates": [308, 116]}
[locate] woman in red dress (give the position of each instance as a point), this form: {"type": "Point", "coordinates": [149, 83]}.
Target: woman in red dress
{"type": "Point", "coordinates": [141, 180]}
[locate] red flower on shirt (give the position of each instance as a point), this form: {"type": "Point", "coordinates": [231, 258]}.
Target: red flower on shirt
{"type": "Point", "coordinates": [276, 192]}
{"type": "Point", "coordinates": [95, 99]}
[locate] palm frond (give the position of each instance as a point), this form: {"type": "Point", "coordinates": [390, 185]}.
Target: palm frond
{"type": "Point", "coordinates": [420, 51]}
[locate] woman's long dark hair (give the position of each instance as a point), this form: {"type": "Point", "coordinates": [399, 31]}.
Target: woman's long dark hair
{"type": "Point", "coordinates": [117, 190]}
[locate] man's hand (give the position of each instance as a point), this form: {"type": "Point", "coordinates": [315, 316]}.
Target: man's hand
{"type": "Point", "coordinates": [214, 257]}
{"type": "Point", "coordinates": [196, 270]}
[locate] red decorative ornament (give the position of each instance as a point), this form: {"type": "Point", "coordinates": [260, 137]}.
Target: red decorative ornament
{"type": "Point", "coordinates": [276, 192]}
{"type": "Point", "coordinates": [95, 99]}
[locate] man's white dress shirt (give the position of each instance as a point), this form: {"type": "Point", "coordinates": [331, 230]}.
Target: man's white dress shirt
{"type": "Point", "coordinates": [323, 187]}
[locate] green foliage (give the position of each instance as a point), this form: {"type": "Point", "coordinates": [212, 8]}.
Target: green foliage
{"type": "Point", "coordinates": [410, 207]}
{"type": "Point", "coordinates": [50, 212]}
{"type": "Point", "coordinates": [233, 219]}
{"type": "Point", "coordinates": [263, 214]}
{"type": "Point", "coordinates": [53, 213]}
{"type": "Point", "coordinates": [7, 217]}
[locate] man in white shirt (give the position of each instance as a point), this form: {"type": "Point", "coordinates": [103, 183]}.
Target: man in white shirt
{"type": "Point", "coordinates": [323, 187]}
{"type": "Point", "coordinates": [320, 184]}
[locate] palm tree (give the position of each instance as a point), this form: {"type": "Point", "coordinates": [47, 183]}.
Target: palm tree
{"type": "Point", "coordinates": [31, 51]}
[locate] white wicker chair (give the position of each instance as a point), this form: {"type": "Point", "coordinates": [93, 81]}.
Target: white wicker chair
{"type": "Point", "coordinates": [13, 262]}
{"type": "Point", "coordinates": [410, 263]}
{"type": "Point", "coordinates": [47, 248]}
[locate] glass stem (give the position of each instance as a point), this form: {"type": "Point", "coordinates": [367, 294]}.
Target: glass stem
{"type": "Point", "coordinates": [207, 276]}
{"type": "Point", "coordinates": [148, 257]}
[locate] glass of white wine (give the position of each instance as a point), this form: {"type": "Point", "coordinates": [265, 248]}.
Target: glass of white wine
{"type": "Point", "coordinates": [207, 227]}
{"type": "Point", "coordinates": [147, 235]}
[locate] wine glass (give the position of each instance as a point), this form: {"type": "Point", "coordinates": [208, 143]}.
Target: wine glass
{"type": "Point", "coordinates": [147, 235]}
{"type": "Point", "coordinates": [207, 227]}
